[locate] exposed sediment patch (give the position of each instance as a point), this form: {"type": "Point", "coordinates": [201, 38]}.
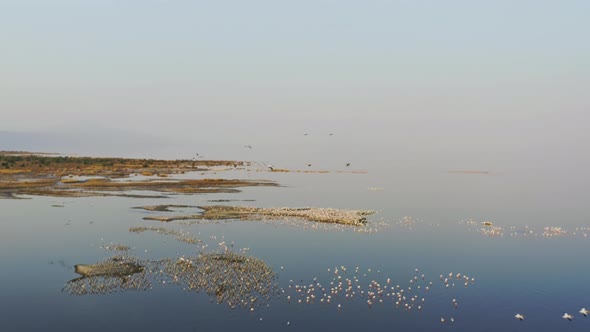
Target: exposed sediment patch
{"type": "Point", "coordinates": [117, 267]}
{"type": "Point", "coordinates": [108, 187]}
{"type": "Point", "coordinates": [116, 274]}
{"type": "Point", "coordinates": [325, 215]}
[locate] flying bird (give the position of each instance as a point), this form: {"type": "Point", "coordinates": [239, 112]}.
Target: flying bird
{"type": "Point", "coordinates": [519, 317]}
{"type": "Point", "coordinates": [347, 164]}
{"type": "Point", "coordinates": [248, 146]}
{"type": "Point", "coordinates": [567, 316]}
{"type": "Point", "coordinates": [270, 167]}
{"type": "Point", "coordinates": [584, 312]}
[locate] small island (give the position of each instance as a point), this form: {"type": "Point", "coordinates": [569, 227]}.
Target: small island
{"type": "Point", "coordinates": [224, 212]}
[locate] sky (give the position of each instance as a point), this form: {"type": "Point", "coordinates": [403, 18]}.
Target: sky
{"type": "Point", "coordinates": [502, 77]}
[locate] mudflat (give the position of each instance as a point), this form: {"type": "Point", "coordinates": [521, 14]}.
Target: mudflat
{"type": "Point", "coordinates": [65, 176]}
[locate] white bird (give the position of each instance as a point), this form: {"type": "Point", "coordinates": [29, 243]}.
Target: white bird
{"type": "Point", "coordinates": [584, 312]}
{"type": "Point", "coordinates": [270, 167]}
{"type": "Point", "coordinates": [567, 316]}
{"type": "Point", "coordinates": [519, 317]}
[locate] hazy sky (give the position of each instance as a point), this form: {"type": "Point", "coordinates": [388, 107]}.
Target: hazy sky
{"type": "Point", "coordinates": [487, 73]}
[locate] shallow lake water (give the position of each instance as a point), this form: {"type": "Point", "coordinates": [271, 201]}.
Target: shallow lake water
{"type": "Point", "coordinates": [428, 223]}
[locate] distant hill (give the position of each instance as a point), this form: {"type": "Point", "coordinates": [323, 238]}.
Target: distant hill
{"type": "Point", "coordinates": [93, 142]}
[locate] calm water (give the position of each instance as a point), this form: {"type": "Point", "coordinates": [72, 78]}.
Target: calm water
{"type": "Point", "coordinates": [519, 272]}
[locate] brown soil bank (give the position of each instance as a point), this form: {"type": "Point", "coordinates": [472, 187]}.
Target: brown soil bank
{"type": "Point", "coordinates": [30, 174]}
{"type": "Point", "coordinates": [40, 166]}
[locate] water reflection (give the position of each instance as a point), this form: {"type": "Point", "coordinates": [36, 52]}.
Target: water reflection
{"type": "Point", "coordinates": [552, 280]}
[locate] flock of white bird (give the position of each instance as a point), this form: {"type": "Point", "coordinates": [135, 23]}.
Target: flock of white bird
{"type": "Point", "coordinates": [347, 286]}
{"type": "Point", "coordinates": [565, 315]}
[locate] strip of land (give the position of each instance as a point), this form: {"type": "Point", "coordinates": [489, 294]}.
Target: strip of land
{"type": "Point", "coordinates": [223, 212]}
{"type": "Point", "coordinates": [45, 175]}
{"type": "Point", "coordinates": [42, 166]}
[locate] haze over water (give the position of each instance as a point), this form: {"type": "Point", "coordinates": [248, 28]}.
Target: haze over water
{"type": "Point", "coordinates": [450, 114]}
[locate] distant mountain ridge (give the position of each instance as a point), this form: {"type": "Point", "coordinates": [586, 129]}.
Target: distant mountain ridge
{"type": "Point", "coordinates": [100, 142]}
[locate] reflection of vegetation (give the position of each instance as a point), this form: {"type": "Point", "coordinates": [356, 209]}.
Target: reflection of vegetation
{"type": "Point", "coordinates": [107, 187]}
{"type": "Point", "coordinates": [326, 215]}
{"type": "Point", "coordinates": [4, 195]}
{"type": "Point", "coordinates": [177, 186]}
{"type": "Point", "coordinates": [163, 208]}
{"type": "Point", "coordinates": [235, 279]}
